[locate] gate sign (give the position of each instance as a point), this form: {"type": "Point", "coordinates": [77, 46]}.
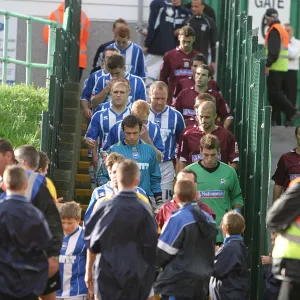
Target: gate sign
{"type": "Point", "coordinates": [11, 50]}
{"type": "Point", "coordinates": [257, 9]}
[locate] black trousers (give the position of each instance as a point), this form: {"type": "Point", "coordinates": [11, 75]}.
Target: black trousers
{"type": "Point", "coordinates": [290, 84]}
{"type": "Point", "coordinates": [289, 291]}
{"type": "Point", "coordinates": [277, 99]}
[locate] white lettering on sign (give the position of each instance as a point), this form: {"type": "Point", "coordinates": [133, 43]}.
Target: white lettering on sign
{"type": "Point", "coordinates": [257, 9]}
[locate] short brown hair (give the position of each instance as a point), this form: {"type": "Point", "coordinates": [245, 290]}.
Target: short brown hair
{"type": "Point", "coordinates": [113, 158]}
{"type": "Point", "coordinates": [233, 222]}
{"type": "Point", "coordinates": [204, 97]}
{"type": "Point", "coordinates": [139, 107]}
{"type": "Point", "coordinates": [44, 160]}
{"type": "Point", "coordinates": [187, 31]}
{"type": "Point", "coordinates": [185, 190]}
{"type": "Point", "coordinates": [29, 154]}
{"type": "Point", "coordinates": [110, 49]}
{"type": "Point", "coordinates": [5, 146]}
{"type": "Point", "coordinates": [14, 177]}
{"type": "Point", "coordinates": [206, 67]}
{"type": "Point", "coordinates": [121, 21]}
{"type": "Point", "coordinates": [70, 210]}
{"type": "Point", "coordinates": [209, 141]}
{"type": "Point", "coordinates": [189, 171]}
{"type": "Point", "coordinates": [121, 80]}
{"type": "Point", "coordinates": [128, 171]}
{"type": "Point", "coordinates": [115, 61]}
{"type": "Point", "coordinates": [123, 31]}
{"type": "Point", "coordinates": [160, 85]}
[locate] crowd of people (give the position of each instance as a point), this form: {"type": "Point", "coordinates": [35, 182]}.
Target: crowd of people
{"type": "Point", "coordinates": [165, 216]}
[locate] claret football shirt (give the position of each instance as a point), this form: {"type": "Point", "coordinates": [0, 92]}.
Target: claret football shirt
{"type": "Point", "coordinates": [288, 168]}
{"type": "Point", "coordinates": [189, 145]}
{"type": "Point", "coordinates": [176, 65]}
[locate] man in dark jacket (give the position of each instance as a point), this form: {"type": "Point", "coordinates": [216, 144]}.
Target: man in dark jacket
{"type": "Point", "coordinates": [123, 231]}
{"type": "Point", "coordinates": [165, 20]}
{"type": "Point", "coordinates": [185, 249]}
{"type": "Point", "coordinates": [276, 44]}
{"type": "Point", "coordinates": [24, 237]}
{"type": "Point", "coordinates": [205, 29]}
{"type": "Point", "coordinates": [38, 194]}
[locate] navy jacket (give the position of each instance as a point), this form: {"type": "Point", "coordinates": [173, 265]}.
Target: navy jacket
{"type": "Point", "coordinates": [42, 199]}
{"type": "Point", "coordinates": [271, 284]}
{"type": "Point", "coordinates": [124, 232]}
{"type": "Point", "coordinates": [163, 20]}
{"type": "Point", "coordinates": [24, 237]}
{"type": "Point", "coordinates": [230, 277]}
{"type": "Point", "coordinates": [185, 252]}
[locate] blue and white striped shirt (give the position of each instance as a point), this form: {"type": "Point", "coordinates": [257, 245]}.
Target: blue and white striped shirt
{"type": "Point", "coordinates": [116, 134]}
{"type": "Point", "coordinates": [90, 84]}
{"type": "Point", "coordinates": [106, 105]}
{"type": "Point", "coordinates": [72, 261]}
{"type": "Point", "coordinates": [134, 58]}
{"type": "Point", "coordinates": [171, 125]}
{"type": "Point", "coordinates": [137, 85]}
{"type": "Point", "coordinates": [101, 192]}
{"type": "Point", "coordinates": [102, 122]}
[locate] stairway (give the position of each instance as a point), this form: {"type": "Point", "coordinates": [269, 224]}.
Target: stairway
{"type": "Point", "coordinates": [83, 190]}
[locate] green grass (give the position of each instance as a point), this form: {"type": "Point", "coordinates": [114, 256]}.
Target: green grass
{"type": "Point", "coordinates": [21, 107]}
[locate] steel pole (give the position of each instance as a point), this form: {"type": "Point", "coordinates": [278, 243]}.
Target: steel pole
{"type": "Point", "coordinates": [140, 37]}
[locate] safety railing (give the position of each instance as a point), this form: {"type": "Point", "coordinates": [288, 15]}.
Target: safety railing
{"type": "Point", "coordinates": [241, 68]}
{"type": "Point", "coordinates": [61, 123]}
{"type": "Point", "coordinates": [5, 59]}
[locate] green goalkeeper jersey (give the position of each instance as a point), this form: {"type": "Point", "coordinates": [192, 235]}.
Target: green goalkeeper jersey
{"type": "Point", "coordinates": [219, 189]}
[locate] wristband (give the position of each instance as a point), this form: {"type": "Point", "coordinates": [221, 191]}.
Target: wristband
{"type": "Point", "coordinates": [238, 210]}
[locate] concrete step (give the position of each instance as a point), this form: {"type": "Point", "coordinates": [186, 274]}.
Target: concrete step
{"type": "Point", "coordinates": [84, 155]}
{"type": "Point", "coordinates": [83, 181]}
{"type": "Point", "coordinates": [83, 167]}
{"type": "Point", "coordinates": [83, 196]}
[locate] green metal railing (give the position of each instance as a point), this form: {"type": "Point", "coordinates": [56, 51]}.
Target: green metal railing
{"type": "Point", "coordinates": [241, 65]}
{"type": "Point", "coordinates": [63, 107]}
{"type": "Point", "coordinates": [5, 59]}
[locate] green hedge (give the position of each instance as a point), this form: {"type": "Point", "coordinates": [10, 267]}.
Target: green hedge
{"type": "Point", "coordinates": [21, 107]}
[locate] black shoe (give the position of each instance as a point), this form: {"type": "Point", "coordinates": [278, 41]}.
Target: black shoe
{"type": "Point", "coordinates": [293, 119]}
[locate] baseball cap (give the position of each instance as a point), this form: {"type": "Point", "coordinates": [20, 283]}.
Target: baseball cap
{"type": "Point", "coordinates": [271, 13]}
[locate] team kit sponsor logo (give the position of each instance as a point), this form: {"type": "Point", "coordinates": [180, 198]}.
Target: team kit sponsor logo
{"type": "Point", "coordinates": [218, 194]}
{"type": "Point", "coordinates": [198, 157]}
{"type": "Point", "coordinates": [183, 72]}
{"type": "Point", "coordinates": [67, 259]}
{"type": "Point", "coordinates": [293, 176]}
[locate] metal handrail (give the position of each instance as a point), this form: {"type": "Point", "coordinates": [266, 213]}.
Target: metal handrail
{"type": "Point", "coordinates": [28, 63]}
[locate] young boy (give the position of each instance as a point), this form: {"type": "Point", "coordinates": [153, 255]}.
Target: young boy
{"type": "Point", "coordinates": [24, 236]}
{"type": "Point", "coordinates": [43, 169]}
{"type": "Point", "coordinates": [230, 276]}
{"type": "Point", "coordinates": [72, 258]}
